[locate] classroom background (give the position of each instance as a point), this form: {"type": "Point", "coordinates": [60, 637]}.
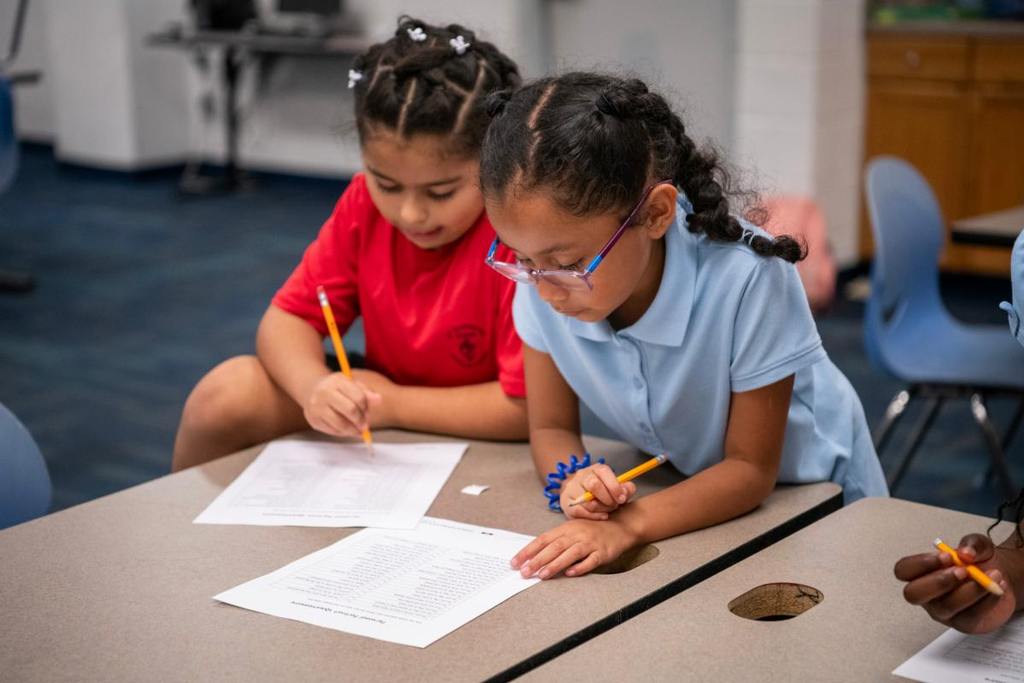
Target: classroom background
{"type": "Point", "coordinates": [169, 161]}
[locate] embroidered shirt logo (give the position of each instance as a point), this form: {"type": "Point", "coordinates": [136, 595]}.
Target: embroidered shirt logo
{"type": "Point", "coordinates": [466, 344]}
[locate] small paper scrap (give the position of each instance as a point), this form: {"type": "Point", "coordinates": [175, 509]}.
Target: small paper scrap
{"type": "Point", "coordinates": [475, 489]}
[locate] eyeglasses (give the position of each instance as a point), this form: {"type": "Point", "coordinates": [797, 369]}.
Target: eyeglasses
{"type": "Point", "coordinates": [577, 280]}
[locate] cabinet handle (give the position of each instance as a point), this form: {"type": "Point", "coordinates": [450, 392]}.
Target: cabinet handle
{"type": "Point", "coordinates": [912, 58]}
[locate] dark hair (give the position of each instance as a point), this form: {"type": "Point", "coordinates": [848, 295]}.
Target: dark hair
{"type": "Point", "coordinates": [426, 86]}
{"type": "Point", "coordinates": [1016, 506]}
{"type": "Point", "coordinates": [593, 142]}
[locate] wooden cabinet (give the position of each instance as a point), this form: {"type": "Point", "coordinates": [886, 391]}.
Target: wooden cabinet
{"type": "Point", "coordinates": [953, 106]}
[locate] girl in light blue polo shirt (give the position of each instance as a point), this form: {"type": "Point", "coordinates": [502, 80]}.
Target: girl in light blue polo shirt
{"type": "Point", "coordinates": [684, 328]}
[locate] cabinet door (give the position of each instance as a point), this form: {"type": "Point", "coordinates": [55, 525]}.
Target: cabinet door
{"type": "Point", "coordinates": [997, 147]}
{"type": "Point", "coordinates": [925, 122]}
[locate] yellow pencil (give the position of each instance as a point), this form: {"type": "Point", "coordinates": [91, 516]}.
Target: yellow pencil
{"type": "Point", "coordinates": [624, 477]}
{"type": "Point", "coordinates": [983, 579]}
{"type": "Point", "coordinates": [339, 350]}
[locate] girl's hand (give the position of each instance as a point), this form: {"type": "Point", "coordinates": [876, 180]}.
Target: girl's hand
{"type": "Point", "coordinates": [609, 494]}
{"type": "Point", "coordinates": [381, 412]}
{"type": "Point", "coordinates": [339, 406]}
{"type": "Point", "coordinates": [575, 547]}
{"type": "Point", "coordinates": [949, 595]}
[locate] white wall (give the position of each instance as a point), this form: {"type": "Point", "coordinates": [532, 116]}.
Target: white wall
{"type": "Point", "coordinates": [799, 105]}
{"type": "Point", "coordinates": [33, 104]}
{"type": "Point", "coordinates": [686, 50]}
{"type": "Point", "coordinates": [108, 100]}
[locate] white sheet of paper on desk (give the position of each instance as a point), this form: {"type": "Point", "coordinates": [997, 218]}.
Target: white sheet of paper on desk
{"type": "Point", "coordinates": [322, 483]}
{"type": "Point", "coordinates": [996, 657]}
{"type": "Point", "coordinates": [410, 587]}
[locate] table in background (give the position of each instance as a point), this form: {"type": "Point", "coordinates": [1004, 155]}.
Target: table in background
{"type": "Point", "coordinates": [234, 44]}
{"type": "Point", "coordinates": [998, 229]}
{"type": "Point", "coordinates": [121, 588]}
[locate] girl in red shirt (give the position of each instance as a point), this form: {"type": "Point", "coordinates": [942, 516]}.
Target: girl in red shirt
{"type": "Point", "coordinates": [403, 250]}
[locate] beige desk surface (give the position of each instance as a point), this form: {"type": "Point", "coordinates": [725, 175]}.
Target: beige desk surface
{"type": "Point", "coordinates": [861, 630]}
{"type": "Point", "coordinates": [1005, 224]}
{"type": "Point", "coordinates": [120, 588]}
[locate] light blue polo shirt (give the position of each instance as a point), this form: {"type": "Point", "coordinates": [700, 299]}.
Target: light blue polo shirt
{"type": "Point", "coordinates": [724, 320]}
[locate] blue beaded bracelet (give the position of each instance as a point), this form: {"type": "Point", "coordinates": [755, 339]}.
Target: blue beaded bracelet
{"type": "Point", "coordinates": [553, 491]}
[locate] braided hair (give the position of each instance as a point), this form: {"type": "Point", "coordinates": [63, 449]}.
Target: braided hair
{"type": "Point", "coordinates": [1015, 508]}
{"type": "Point", "coordinates": [430, 79]}
{"type": "Point", "coordinates": [593, 142]}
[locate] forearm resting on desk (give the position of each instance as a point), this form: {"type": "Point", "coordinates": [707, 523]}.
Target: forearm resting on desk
{"type": "Point", "coordinates": [722, 492]}
{"type": "Point", "coordinates": [476, 411]}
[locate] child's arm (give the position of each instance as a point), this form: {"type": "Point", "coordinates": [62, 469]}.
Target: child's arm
{"type": "Point", "coordinates": [951, 597]}
{"type": "Point", "coordinates": [738, 484]}
{"type": "Point", "coordinates": [554, 413]}
{"type": "Point", "coordinates": [555, 435]}
{"type": "Point", "coordinates": [292, 352]}
{"type": "Point", "coordinates": [476, 411]}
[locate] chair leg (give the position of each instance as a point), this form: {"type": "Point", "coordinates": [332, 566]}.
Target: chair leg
{"type": "Point", "coordinates": [916, 437]}
{"type": "Point", "coordinates": [988, 431]}
{"type": "Point", "coordinates": [893, 412]}
{"type": "Point", "coordinates": [1011, 431]}
{"type": "Point", "coordinates": [1015, 422]}
{"type": "Point", "coordinates": [12, 281]}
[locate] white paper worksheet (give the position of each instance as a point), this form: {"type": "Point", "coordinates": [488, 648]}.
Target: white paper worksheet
{"type": "Point", "coordinates": [996, 657]}
{"type": "Point", "coordinates": [410, 587]}
{"type": "Point", "coordinates": [324, 483]}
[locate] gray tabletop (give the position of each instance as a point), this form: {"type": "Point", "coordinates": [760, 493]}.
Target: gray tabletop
{"type": "Point", "coordinates": [120, 588]}
{"type": "Point", "coordinates": [999, 228]}
{"type": "Point", "coordinates": [860, 631]}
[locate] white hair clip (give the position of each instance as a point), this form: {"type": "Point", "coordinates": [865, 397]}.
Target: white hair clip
{"type": "Point", "coordinates": [416, 35]}
{"type": "Point", "coordinates": [748, 237]}
{"type": "Point", "coordinates": [354, 77]}
{"type": "Point", "coordinates": [459, 44]}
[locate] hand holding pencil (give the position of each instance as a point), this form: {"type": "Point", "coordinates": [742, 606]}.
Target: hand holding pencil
{"type": "Point", "coordinates": [339, 405]}
{"type": "Point", "coordinates": [595, 491]}
{"type": "Point", "coordinates": [966, 588]}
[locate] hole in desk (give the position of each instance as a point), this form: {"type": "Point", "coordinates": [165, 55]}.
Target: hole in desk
{"type": "Point", "coordinates": [631, 559]}
{"type": "Point", "coordinates": [776, 601]}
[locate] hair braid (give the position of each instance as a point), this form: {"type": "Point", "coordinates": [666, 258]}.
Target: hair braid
{"type": "Point", "coordinates": [596, 141]}
{"type": "Point", "coordinates": [425, 85]}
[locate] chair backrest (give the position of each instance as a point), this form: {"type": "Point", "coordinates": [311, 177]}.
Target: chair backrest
{"type": "Point", "coordinates": [8, 140]}
{"type": "Point", "coordinates": [909, 233]}
{"type": "Point", "coordinates": [25, 489]}
{"type": "Point", "coordinates": [801, 217]}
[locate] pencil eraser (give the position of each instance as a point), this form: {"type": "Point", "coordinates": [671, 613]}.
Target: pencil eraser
{"type": "Point", "coordinates": [475, 489]}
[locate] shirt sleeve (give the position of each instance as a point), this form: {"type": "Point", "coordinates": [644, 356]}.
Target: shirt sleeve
{"type": "Point", "coordinates": [332, 260]}
{"type": "Point", "coordinates": [509, 346]}
{"type": "Point", "coordinates": [774, 334]}
{"type": "Point", "coordinates": [525, 316]}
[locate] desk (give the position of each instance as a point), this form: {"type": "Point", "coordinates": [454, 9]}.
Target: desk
{"type": "Point", "coordinates": [234, 43]}
{"type": "Point", "coordinates": [120, 588]}
{"type": "Point", "coordinates": [998, 229]}
{"type": "Point", "coordinates": [860, 631]}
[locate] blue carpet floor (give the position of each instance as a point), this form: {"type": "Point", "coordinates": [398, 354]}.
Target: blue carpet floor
{"type": "Point", "coordinates": [140, 292]}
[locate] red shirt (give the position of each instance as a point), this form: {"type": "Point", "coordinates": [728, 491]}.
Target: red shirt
{"type": "Point", "coordinates": [438, 318]}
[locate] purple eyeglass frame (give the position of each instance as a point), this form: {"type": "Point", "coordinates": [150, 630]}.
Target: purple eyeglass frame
{"type": "Point", "coordinates": [557, 277]}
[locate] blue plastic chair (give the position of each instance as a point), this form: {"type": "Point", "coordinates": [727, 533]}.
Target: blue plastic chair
{"type": "Point", "coordinates": [908, 332]}
{"type": "Point", "coordinates": [25, 489]}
